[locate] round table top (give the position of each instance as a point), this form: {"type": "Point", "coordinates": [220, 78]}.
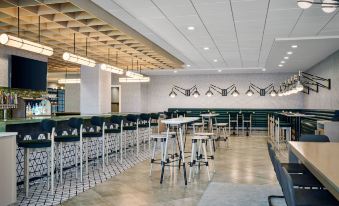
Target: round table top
{"type": "Point", "coordinates": [210, 115]}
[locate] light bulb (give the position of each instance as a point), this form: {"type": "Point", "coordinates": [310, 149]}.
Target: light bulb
{"type": "Point", "coordinates": [280, 94]}
{"type": "Point", "coordinates": [305, 4]}
{"type": "Point", "coordinates": [327, 6]}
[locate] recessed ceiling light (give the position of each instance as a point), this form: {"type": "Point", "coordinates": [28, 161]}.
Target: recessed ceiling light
{"type": "Point", "coordinates": [289, 52]}
{"type": "Point", "coordinates": [286, 57]}
{"type": "Point", "coordinates": [206, 48]}
{"type": "Point", "coordinates": [175, 71]}
{"type": "Point", "coordinates": [215, 60]}
{"type": "Point", "coordinates": [282, 62]}
{"type": "Point", "coordinates": [263, 69]}
{"type": "Point", "coordinates": [280, 65]}
{"type": "Point", "coordinates": [294, 46]}
{"type": "Point", "coordinates": [219, 70]}
{"type": "Point", "coordinates": [188, 65]}
{"type": "Point", "coordinates": [191, 28]}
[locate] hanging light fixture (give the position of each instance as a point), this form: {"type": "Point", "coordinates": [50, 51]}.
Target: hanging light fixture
{"type": "Point", "coordinates": [69, 81]}
{"type": "Point", "coordinates": [109, 68]}
{"type": "Point", "coordinates": [172, 94]}
{"type": "Point", "coordinates": [23, 44]}
{"type": "Point", "coordinates": [249, 92]}
{"type": "Point", "coordinates": [209, 93]}
{"type": "Point", "coordinates": [134, 80]}
{"type": "Point", "coordinates": [223, 92]}
{"type": "Point", "coordinates": [78, 59]}
{"type": "Point", "coordinates": [235, 92]}
{"type": "Point", "coordinates": [134, 75]}
{"type": "Point", "coordinates": [196, 94]}
{"type": "Point", "coordinates": [273, 93]}
{"type": "Point", "coordinates": [328, 6]}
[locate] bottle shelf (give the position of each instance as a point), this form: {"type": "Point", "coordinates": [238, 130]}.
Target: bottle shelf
{"type": "Point", "coordinates": [8, 106]}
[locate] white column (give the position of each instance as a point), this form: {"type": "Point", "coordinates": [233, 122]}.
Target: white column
{"type": "Point", "coordinates": [95, 90]}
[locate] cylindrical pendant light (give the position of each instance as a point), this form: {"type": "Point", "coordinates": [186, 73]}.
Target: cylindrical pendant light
{"type": "Point", "coordinates": [112, 69]}
{"type": "Point", "coordinates": [78, 59]}
{"type": "Point", "coordinates": [69, 81]}
{"type": "Point", "coordinates": [134, 75]}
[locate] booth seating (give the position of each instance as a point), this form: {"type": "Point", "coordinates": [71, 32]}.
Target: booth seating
{"type": "Point", "coordinates": [114, 132]}
{"type": "Point", "coordinates": [96, 132]}
{"type": "Point", "coordinates": [45, 142]}
{"type": "Point", "coordinates": [71, 137]}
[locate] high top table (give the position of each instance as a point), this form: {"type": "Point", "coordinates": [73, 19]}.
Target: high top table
{"type": "Point", "coordinates": [321, 158]}
{"type": "Point", "coordinates": [179, 122]}
{"type": "Point", "coordinates": [297, 117]}
{"type": "Point", "coordinates": [209, 116]}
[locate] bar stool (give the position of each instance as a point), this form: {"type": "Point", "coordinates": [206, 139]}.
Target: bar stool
{"type": "Point", "coordinates": [132, 132]}
{"type": "Point", "coordinates": [97, 133]}
{"type": "Point", "coordinates": [146, 130]}
{"type": "Point", "coordinates": [198, 126]}
{"type": "Point", "coordinates": [114, 131]}
{"type": "Point", "coordinates": [195, 154]}
{"type": "Point", "coordinates": [234, 118]}
{"type": "Point", "coordinates": [40, 144]}
{"type": "Point", "coordinates": [171, 137]}
{"type": "Point", "coordinates": [247, 121]}
{"type": "Point", "coordinates": [155, 121]}
{"type": "Point", "coordinates": [72, 137]}
{"type": "Point", "coordinates": [162, 138]}
{"type": "Point", "coordinates": [221, 129]}
{"type": "Point", "coordinates": [211, 142]}
{"type": "Point", "coordinates": [282, 132]}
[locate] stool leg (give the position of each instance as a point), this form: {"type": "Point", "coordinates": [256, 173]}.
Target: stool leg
{"type": "Point", "coordinates": [212, 152]}
{"type": "Point", "coordinates": [52, 168]}
{"type": "Point", "coordinates": [26, 169]}
{"type": "Point", "coordinates": [192, 160]}
{"type": "Point", "coordinates": [81, 153]}
{"type": "Point", "coordinates": [61, 161]}
{"type": "Point", "coordinates": [103, 151]}
{"type": "Point", "coordinates": [48, 167]}
{"type": "Point", "coordinates": [153, 156]}
{"type": "Point", "coordinates": [76, 160]}
{"type": "Point", "coordinates": [206, 161]}
{"type": "Point", "coordinates": [86, 156]}
{"type": "Point", "coordinates": [137, 143]}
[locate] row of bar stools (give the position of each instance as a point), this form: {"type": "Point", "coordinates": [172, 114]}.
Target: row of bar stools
{"type": "Point", "coordinates": [45, 143]}
{"type": "Point", "coordinates": [114, 131]}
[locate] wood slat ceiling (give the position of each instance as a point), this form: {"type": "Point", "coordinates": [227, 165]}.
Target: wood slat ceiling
{"type": "Point", "coordinates": [60, 20]}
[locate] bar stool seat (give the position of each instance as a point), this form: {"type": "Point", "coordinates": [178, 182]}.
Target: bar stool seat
{"type": "Point", "coordinates": [143, 125]}
{"type": "Point", "coordinates": [67, 138]}
{"type": "Point", "coordinates": [128, 128]}
{"type": "Point", "coordinates": [91, 134]}
{"type": "Point", "coordinates": [36, 143]}
{"type": "Point", "coordinates": [220, 124]}
{"type": "Point", "coordinates": [204, 133]}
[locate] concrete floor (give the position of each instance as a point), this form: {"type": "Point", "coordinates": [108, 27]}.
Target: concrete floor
{"type": "Point", "coordinates": [246, 161]}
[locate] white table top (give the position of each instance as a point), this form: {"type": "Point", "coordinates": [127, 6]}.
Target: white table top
{"type": "Point", "coordinates": [209, 115]}
{"type": "Point", "coordinates": [321, 158]}
{"type": "Point", "coordinates": [179, 120]}
{"type": "Point", "coordinates": [296, 114]}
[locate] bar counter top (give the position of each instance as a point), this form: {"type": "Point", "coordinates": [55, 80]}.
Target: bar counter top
{"type": "Point", "coordinates": [16, 121]}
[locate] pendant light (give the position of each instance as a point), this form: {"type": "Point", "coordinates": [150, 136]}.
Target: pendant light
{"type": "Point", "coordinates": [23, 44]}
{"type": "Point", "coordinates": [305, 4]}
{"type": "Point", "coordinates": [134, 74]}
{"type": "Point", "coordinates": [69, 81]}
{"type": "Point", "coordinates": [78, 59]}
{"type": "Point", "coordinates": [134, 80]}
{"type": "Point", "coordinates": [209, 93]}
{"type": "Point", "coordinates": [112, 69]}
{"type": "Point", "coordinates": [249, 92]}
{"type": "Point", "coordinates": [235, 93]}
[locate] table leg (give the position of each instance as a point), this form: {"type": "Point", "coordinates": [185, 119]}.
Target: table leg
{"type": "Point", "coordinates": [182, 155]}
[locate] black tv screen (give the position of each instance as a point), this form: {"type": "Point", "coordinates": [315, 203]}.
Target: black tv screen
{"type": "Point", "coordinates": [28, 73]}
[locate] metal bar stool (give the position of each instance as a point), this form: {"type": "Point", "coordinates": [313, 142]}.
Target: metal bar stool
{"type": "Point", "coordinates": [114, 131]}
{"type": "Point", "coordinates": [198, 142]}
{"type": "Point", "coordinates": [162, 138]}
{"type": "Point", "coordinates": [210, 141]}
{"type": "Point", "coordinates": [97, 133]}
{"type": "Point", "coordinates": [155, 121]}
{"type": "Point", "coordinates": [43, 143]}
{"type": "Point", "coordinates": [72, 137]}
{"type": "Point", "coordinates": [145, 129]}
{"type": "Point", "coordinates": [132, 132]}
{"type": "Point", "coordinates": [282, 132]}
{"type": "Point", "coordinates": [221, 129]}
{"type": "Point", "coordinates": [234, 118]}
{"type": "Point", "coordinates": [247, 122]}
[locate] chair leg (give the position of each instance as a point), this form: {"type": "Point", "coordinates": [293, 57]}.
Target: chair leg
{"type": "Point", "coordinates": [52, 168]}
{"type": "Point", "coordinates": [26, 169]}
{"type": "Point", "coordinates": [86, 152]}
{"type": "Point", "coordinates": [206, 160]}
{"type": "Point", "coordinates": [76, 160]}
{"type": "Point", "coordinates": [61, 162]}
{"type": "Point", "coordinates": [269, 198]}
{"type": "Point", "coordinates": [212, 152]}
{"type": "Point", "coordinates": [48, 167]}
{"type": "Point", "coordinates": [103, 152]}
{"type": "Point", "coordinates": [121, 148]}
{"type": "Point", "coordinates": [81, 153]}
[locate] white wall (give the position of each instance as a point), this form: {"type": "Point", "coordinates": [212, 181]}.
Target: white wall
{"type": "Point", "coordinates": [5, 54]}
{"type": "Point", "coordinates": [325, 99]}
{"type": "Point", "coordinates": [153, 96]}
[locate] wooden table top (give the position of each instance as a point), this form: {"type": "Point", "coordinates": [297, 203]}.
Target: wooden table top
{"type": "Point", "coordinates": [322, 159]}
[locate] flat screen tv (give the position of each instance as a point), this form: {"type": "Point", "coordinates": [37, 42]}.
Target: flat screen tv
{"type": "Point", "coordinates": [27, 73]}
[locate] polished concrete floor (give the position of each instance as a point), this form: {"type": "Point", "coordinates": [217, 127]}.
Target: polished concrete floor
{"type": "Point", "coordinates": [245, 161]}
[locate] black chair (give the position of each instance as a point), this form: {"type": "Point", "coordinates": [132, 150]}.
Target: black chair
{"type": "Point", "coordinates": [145, 127]}
{"type": "Point", "coordinates": [304, 197]}
{"type": "Point", "coordinates": [247, 122]}
{"type": "Point", "coordinates": [95, 133]}
{"type": "Point", "coordinates": [44, 142]}
{"type": "Point", "coordinates": [155, 121]}
{"type": "Point", "coordinates": [234, 121]}
{"type": "Point", "coordinates": [132, 132]}
{"type": "Point", "coordinates": [74, 137]}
